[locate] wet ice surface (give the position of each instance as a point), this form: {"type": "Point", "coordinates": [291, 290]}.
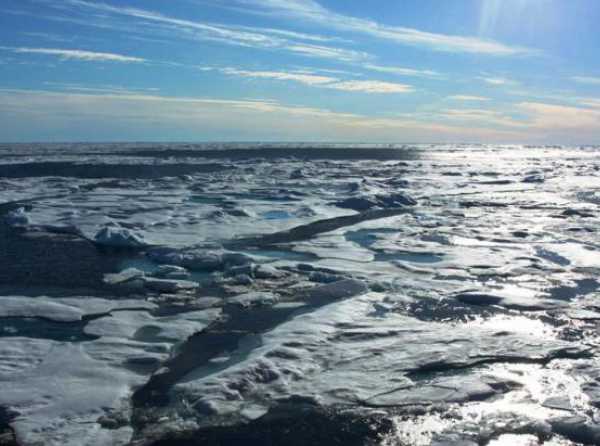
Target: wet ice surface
{"type": "Point", "coordinates": [183, 294]}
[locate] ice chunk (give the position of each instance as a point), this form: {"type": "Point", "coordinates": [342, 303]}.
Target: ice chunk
{"type": "Point", "coordinates": [509, 297]}
{"type": "Point", "coordinates": [124, 276]}
{"type": "Point", "coordinates": [171, 272]}
{"type": "Point", "coordinates": [169, 285]}
{"type": "Point", "coordinates": [60, 398]}
{"type": "Point", "coordinates": [383, 201]}
{"type": "Point", "coordinates": [268, 272]}
{"type": "Point", "coordinates": [254, 298]}
{"type": "Point", "coordinates": [18, 217]}
{"type": "Point", "coordinates": [142, 326]}
{"type": "Point", "coordinates": [38, 307]}
{"type": "Point", "coordinates": [338, 290]}
{"type": "Point", "coordinates": [67, 309]}
{"type": "Point", "coordinates": [117, 237]}
{"type": "Point", "coordinates": [22, 354]}
{"type": "Point", "coordinates": [199, 259]}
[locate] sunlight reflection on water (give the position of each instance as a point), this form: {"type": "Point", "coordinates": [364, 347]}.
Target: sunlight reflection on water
{"type": "Point", "coordinates": [515, 324]}
{"type": "Point", "coordinates": [537, 384]}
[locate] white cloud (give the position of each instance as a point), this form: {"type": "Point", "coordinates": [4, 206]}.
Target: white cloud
{"type": "Point", "coordinates": [489, 117]}
{"type": "Point", "coordinates": [121, 99]}
{"type": "Point", "coordinates": [364, 86]}
{"type": "Point", "coordinates": [552, 117]}
{"type": "Point", "coordinates": [586, 80]}
{"type": "Point", "coordinates": [367, 86]}
{"type": "Point", "coordinates": [265, 38]}
{"type": "Point", "coordinates": [327, 52]}
{"type": "Point", "coordinates": [310, 10]}
{"type": "Point", "coordinates": [591, 102]}
{"type": "Point", "coordinates": [65, 54]}
{"type": "Point", "coordinates": [102, 88]}
{"type": "Point", "coordinates": [294, 34]}
{"type": "Point", "coordinates": [537, 122]}
{"type": "Point", "coordinates": [308, 79]}
{"type": "Point", "coordinates": [498, 81]}
{"type": "Point", "coordinates": [467, 98]}
{"type": "Point", "coordinates": [402, 71]}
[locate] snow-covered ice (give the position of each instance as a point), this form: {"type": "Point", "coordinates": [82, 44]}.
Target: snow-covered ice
{"type": "Point", "coordinates": [422, 295]}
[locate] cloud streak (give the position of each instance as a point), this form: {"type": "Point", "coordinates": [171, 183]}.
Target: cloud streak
{"type": "Point", "coordinates": [591, 102]}
{"type": "Point", "coordinates": [70, 54]}
{"type": "Point", "coordinates": [489, 117]}
{"type": "Point", "coordinates": [552, 117]}
{"type": "Point", "coordinates": [402, 71]}
{"type": "Point", "coordinates": [311, 11]}
{"type": "Point", "coordinates": [150, 115]}
{"type": "Point", "coordinates": [303, 44]}
{"type": "Point", "coordinates": [157, 117]}
{"type": "Point", "coordinates": [366, 86]}
{"type": "Point", "coordinates": [468, 98]}
{"type": "Point", "coordinates": [586, 80]}
{"type": "Point", "coordinates": [303, 78]}
{"type": "Point", "coordinates": [363, 86]}
{"type": "Point", "coordinates": [498, 81]}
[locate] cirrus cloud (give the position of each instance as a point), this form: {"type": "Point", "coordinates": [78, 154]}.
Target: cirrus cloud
{"type": "Point", "coordinates": [467, 98]}
{"type": "Point", "coordinates": [586, 80]}
{"type": "Point", "coordinates": [70, 54]}
{"type": "Point", "coordinates": [304, 78]}
{"type": "Point", "coordinates": [311, 79]}
{"type": "Point", "coordinates": [367, 86]}
{"type": "Point", "coordinates": [311, 11]}
{"type": "Point", "coordinates": [152, 22]}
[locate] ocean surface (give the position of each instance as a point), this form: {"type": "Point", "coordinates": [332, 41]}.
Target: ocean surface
{"type": "Point", "coordinates": [299, 294]}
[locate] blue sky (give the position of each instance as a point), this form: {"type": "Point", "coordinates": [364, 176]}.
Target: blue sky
{"type": "Point", "coordinates": [510, 71]}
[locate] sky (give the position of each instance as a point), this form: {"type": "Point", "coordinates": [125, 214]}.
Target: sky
{"type": "Point", "coordinates": [490, 71]}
